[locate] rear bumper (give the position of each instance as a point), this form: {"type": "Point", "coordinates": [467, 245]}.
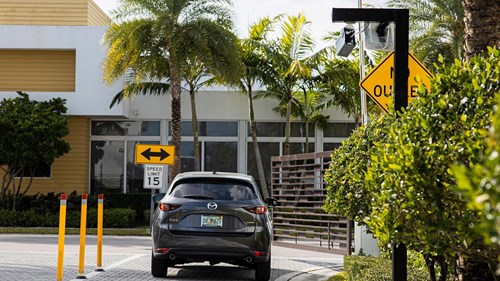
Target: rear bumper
{"type": "Point", "coordinates": [224, 248]}
{"type": "Point", "coordinates": [183, 255]}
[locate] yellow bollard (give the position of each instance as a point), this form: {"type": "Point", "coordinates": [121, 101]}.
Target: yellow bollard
{"type": "Point", "coordinates": [100, 215]}
{"type": "Point", "coordinates": [83, 230]}
{"type": "Point", "coordinates": [60, 243]}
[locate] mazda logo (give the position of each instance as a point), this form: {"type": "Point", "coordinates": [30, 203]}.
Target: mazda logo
{"type": "Point", "coordinates": [212, 206]}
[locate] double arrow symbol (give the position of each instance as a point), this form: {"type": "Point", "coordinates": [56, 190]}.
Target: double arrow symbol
{"type": "Point", "coordinates": [148, 154]}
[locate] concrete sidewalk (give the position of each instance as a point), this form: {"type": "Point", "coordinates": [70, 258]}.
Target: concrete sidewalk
{"type": "Point", "coordinates": [34, 257]}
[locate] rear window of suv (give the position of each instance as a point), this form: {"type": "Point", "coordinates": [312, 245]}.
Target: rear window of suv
{"type": "Point", "coordinates": [213, 189]}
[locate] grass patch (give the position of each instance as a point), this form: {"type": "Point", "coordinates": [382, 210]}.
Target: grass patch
{"type": "Point", "coordinates": [141, 231]}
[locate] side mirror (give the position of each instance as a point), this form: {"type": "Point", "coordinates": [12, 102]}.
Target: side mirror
{"type": "Point", "coordinates": [271, 201]}
{"type": "Point", "coordinates": [158, 197]}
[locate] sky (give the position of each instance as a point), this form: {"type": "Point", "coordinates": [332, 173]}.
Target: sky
{"type": "Point", "coordinates": [318, 12]}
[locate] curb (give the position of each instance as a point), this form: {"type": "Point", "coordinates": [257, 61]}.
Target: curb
{"type": "Point", "coordinates": [322, 273]}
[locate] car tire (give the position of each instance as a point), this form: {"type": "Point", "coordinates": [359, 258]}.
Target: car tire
{"type": "Point", "coordinates": [263, 270]}
{"type": "Point", "coordinates": [159, 267]}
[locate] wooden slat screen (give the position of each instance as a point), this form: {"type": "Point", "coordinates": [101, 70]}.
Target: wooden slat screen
{"type": "Point", "coordinates": [299, 220]}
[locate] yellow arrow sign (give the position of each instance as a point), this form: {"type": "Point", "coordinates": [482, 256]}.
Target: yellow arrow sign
{"type": "Point", "coordinates": [379, 82]}
{"type": "Point", "coordinates": [154, 154]}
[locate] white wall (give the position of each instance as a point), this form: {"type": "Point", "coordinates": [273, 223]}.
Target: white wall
{"type": "Point", "coordinates": [92, 96]}
{"type": "Point", "coordinates": [218, 105]}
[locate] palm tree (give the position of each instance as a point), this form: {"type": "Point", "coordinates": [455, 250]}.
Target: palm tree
{"type": "Point", "coordinates": [309, 107]}
{"type": "Point", "coordinates": [340, 80]}
{"type": "Point", "coordinates": [482, 25]}
{"type": "Point", "coordinates": [155, 37]}
{"type": "Point", "coordinates": [288, 58]}
{"type": "Point", "coordinates": [252, 51]}
{"type": "Point", "coordinates": [195, 77]}
{"type": "Point", "coordinates": [436, 27]}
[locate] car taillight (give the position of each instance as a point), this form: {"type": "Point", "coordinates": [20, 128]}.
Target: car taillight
{"type": "Point", "coordinates": [168, 207]}
{"type": "Point", "coordinates": [259, 210]}
{"type": "Point", "coordinates": [260, 254]}
{"type": "Point", "coordinates": [161, 250]}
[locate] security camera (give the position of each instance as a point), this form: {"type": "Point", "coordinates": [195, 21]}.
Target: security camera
{"type": "Point", "coordinates": [346, 41]}
{"type": "Point", "coordinates": [379, 36]}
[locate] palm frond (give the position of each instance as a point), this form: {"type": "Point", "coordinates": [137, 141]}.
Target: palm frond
{"type": "Point", "coordinates": [144, 88]}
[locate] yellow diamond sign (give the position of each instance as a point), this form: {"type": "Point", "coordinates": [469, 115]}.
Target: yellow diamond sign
{"type": "Point", "coordinates": [154, 154]}
{"type": "Point", "coordinates": [379, 82]}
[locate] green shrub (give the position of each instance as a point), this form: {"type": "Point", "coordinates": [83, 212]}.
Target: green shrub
{"type": "Point", "coordinates": [50, 203]}
{"type": "Point", "coordinates": [338, 277]}
{"type": "Point", "coordinates": [376, 269]}
{"type": "Point", "coordinates": [113, 218]}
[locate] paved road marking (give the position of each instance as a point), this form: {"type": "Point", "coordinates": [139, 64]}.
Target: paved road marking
{"type": "Point", "coordinates": [116, 264]}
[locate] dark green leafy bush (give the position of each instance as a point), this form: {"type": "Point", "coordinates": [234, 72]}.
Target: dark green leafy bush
{"type": "Point", "coordinates": [113, 218]}
{"type": "Point", "coordinates": [50, 203]}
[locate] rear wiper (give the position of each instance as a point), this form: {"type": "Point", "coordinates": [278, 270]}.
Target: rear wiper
{"type": "Point", "coordinates": [197, 197]}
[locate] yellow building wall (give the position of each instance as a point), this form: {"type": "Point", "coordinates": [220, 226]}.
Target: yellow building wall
{"type": "Point", "coordinates": [37, 70]}
{"type": "Point", "coordinates": [51, 12]}
{"type": "Point", "coordinates": [71, 171]}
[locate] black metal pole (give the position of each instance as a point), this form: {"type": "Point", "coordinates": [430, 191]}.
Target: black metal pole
{"type": "Point", "coordinates": [401, 73]}
{"type": "Point", "coordinates": [399, 253]}
{"type": "Point", "coordinates": [401, 60]}
{"type": "Point", "coordinates": [401, 19]}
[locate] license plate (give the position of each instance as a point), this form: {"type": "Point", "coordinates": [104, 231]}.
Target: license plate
{"type": "Point", "coordinates": [211, 221]}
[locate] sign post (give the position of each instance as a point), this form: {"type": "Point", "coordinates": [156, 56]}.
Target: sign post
{"type": "Point", "coordinates": [401, 18]}
{"type": "Point", "coordinates": [153, 174]}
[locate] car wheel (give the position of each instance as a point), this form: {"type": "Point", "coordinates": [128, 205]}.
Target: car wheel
{"type": "Point", "coordinates": [159, 267]}
{"type": "Point", "coordinates": [263, 270]}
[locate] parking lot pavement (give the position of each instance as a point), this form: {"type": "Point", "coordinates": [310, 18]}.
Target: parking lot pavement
{"type": "Point", "coordinates": [34, 257]}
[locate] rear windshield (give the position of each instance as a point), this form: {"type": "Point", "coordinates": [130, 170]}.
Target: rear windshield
{"type": "Point", "coordinates": [213, 190]}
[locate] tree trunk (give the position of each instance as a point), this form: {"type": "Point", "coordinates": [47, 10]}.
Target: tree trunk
{"type": "Point", "coordinates": [176, 125]}
{"type": "Point", "coordinates": [482, 25]}
{"type": "Point", "coordinates": [471, 270]}
{"type": "Point", "coordinates": [286, 150]}
{"type": "Point", "coordinates": [194, 124]}
{"type": "Point", "coordinates": [258, 158]}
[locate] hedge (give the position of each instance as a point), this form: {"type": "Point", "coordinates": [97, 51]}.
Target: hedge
{"type": "Point", "coordinates": [368, 268]}
{"type": "Point", "coordinates": [113, 218]}
{"type": "Point", "coordinates": [49, 203]}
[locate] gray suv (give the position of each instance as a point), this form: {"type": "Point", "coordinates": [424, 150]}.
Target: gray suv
{"type": "Point", "coordinates": [214, 217]}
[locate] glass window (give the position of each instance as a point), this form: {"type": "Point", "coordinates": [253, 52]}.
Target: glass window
{"type": "Point", "coordinates": [336, 130]}
{"type": "Point", "coordinates": [106, 166]}
{"type": "Point", "coordinates": [135, 172]}
{"type": "Point", "coordinates": [331, 146]}
{"type": "Point", "coordinates": [125, 128]}
{"type": "Point", "coordinates": [213, 189]}
{"type": "Point", "coordinates": [268, 129]}
{"type": "Point", "coordinates": [221, 156]}
{"type": "Point", "coordinates": [277, 129]}
{"type": "Point", "coordinates": [267, 150]}
{"type": "Point", "coordinates": [211, 129]}
{"type": "Point", "coordinates": [299, 129]}
{"type": "Point", "coordinates": [300, 148]}
{"type": "Point", "coordinates": [218, 129]}
{"type": "Point", "coordinates": [187, 156]}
